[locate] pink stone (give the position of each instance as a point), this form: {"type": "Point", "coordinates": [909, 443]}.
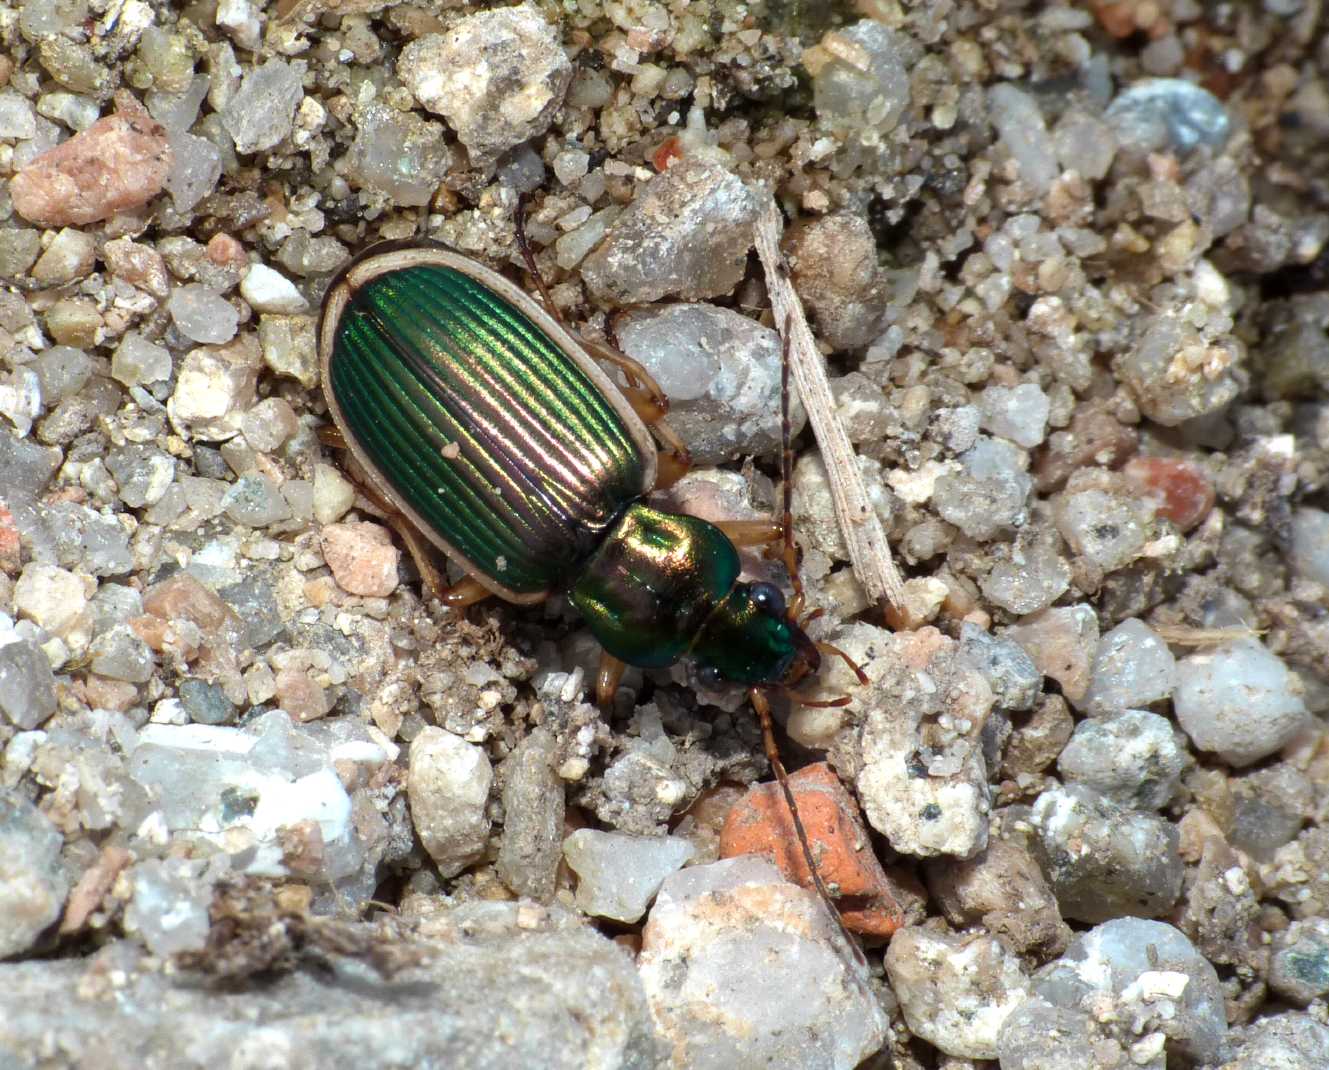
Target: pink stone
{"type": "Point", "coordinates": [119, 162]}
{"type": "Point", "coordinates": [362, 558]}
{"type": "Point", "coordinates": [300, 696]}
{"type": "Point", "coordinates": [1180, 489]}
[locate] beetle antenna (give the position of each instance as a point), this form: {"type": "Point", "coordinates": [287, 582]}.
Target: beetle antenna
{"type": "Point", "coordinates": [836, 652]}
{"type": "Point", "coordinates": [524, 247]}
{"type": "Point", "coordinates": [763, 709]}
{"type": "Point", "coordinates": [788, 551]}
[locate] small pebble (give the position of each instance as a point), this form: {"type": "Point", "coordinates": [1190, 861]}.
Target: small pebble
{"type": "Point", "coordinates": [533, 806]}
{"type": "Point", "coordinates": [1168, 115]}
{"type": "Point", "coordinates": [721, 373]}
{"type": "Point", "coordinates": [201, 315]}
{"type": "Point", "coordinates": [51, 596]}
{"type": "Point", "coordinates": [1310, 544]}
{"type": "Point", "coordinates": [138, 361]}
{"type": "Point", "coordinates": [1132, 668]}
{"type": "Point", "coordinates": [1018, 414]}
{"type": "Point", "coordinates": [1239, 702]}
{"type": "Point", "coordinates": [1131, 757]}
{"type": "Point", "coordinates": [362, 558]}
{"type": "Point", "coordinates": [695, 218]}
{"type": "Point", "coordinates": [270, 291]}
{"type": "Point", "coordinates": [27, 686]}
{"type": "Point", "coordinates": [1104, 861]}
{"type": "Point", "coordinates": [955, 991]}
{"type": "Point", "coordinates": [448, 785]}
{"type": "Point", "coordinates": [1063, 643]}
{"type": "Point", "coordinates": [262, 112]}
{"type": "Point", "coordinates": [496, 76]}
{"type": "Point", "coordinates": [117, 164]}
{"type": "Point", "coordinates": [618, 875]}
{"type": "Point", "coordinates": [34, 886]}
{"type": "Point", "coordinates": [709, 941]}
{"type": "Point", "coordinates": [1299, 968]}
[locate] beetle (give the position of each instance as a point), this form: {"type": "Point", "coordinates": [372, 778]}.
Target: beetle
{"type": "Point", "coordinates": [489, 432]}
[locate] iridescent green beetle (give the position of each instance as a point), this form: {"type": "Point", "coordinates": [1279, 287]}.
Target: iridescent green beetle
{"type": "Point", "coordinates": [494, 436]}
{"type": "Point", "coordinates": [490, 430]}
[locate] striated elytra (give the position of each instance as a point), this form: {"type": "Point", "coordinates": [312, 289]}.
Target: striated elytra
{"type": "Point", "coordinates": [493, 433]}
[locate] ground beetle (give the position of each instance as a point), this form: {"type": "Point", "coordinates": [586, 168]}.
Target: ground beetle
{"type": "Point", "coordinates": [485, 428]}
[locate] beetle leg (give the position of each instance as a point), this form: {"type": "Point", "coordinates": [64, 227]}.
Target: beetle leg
{"type": "Point", "coordinates": [636, 375]}
{"type": "Point", "coordinates": [763, 708]}
{"type": "Point", "coordinates": [524, 247]}
{"type": "Point", "coordinates": [330, 435]}
{"type": "Point", "coordinates": [751, 532]}
{"type": "Point", "coordinates": [465, 592]}
{"type": "Point", "coordinates": [606, 679]}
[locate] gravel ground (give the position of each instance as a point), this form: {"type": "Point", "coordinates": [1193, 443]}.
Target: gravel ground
{"type": "Point", "coordinates": [264, 805]}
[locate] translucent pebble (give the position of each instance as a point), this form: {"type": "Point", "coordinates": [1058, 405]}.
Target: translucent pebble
{"type": "Point", "coordinates": [34, 886]}
{"type": "Point", "coordinates": [721, 373]}
{"type": "Point", "coordinates": [1133, 667]}
{"type": "Point", "coordinates": [201, 315]}
{"type": "Point", "coordinates": [1010, 672]}
{"type": "Point", "coordinates": [1111, 530]}
{"type": "Point", "coordinates": [119, 654]}
{"type": "Point", "coordinates": [16, 117]}
{"type": "Point", "coordinates": [169, 908]}
{"type": "Point", "coordinates": [196, 168]}
{"type": "Point", "coordinates": [696, 221]}
{"type": "Point", "coordinates": [62, 371]}
{"type": "Point", "coordinates": [1238, 701]}
{"type": "Point", "coordinates": [27, 687]}
{"type": "Point", "coordinates": [1131, 757]}
{"type": "Point", "coordinates": [1021, 129]}
{"type": "Point", "coordinates": [142, 473]}
{"type": "Point", "coordinates": [395, 153]}
{"type": "Point", "coordinates": [1310, 544]}
{"type": "Point", "coordinates": [1299, 969]}
{"type": "Point", "coordinates": [136, 361]}
{"type": "Point", "coordinates": [448, 785]}
{"type": "Point", "coordinates": [1142, 974]}
{"type": "Point", "coordinates": [618, 875]}
{"type": "Point", "coordinates": [1085, 144]}
{"type": "Point", "coordinates": [1018, 413]}
{"type": "Point", "coordinates": [866, 80]}
{"type": "Point", "coordinates": [256, 501]}
{"type": "Point", "coordinates": [263, 110]}
{"type": "Point", "coordinates": [703, 946]}
{"type": "Point", "coordinates": [1168, 115]}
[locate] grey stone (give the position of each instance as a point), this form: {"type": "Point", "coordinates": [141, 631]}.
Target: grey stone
{"type": "Point", "coordinates": [1104, 861]}
{"type": "Point", "coordinates": [721, 373]}
{"type": "Point", "coordinates": [27, 686]}
{"type": "Point", "coordinates": [533, 808]}
{"type": "Point", "coordinates": [709, 945]}
{"type": "Point", "coordinates": [686, 234]}
{"type": "Point", "coordinates": [1132, 757]}
{"type": "Point", "coordinates": [491, 986]}
{"type": "Point", "coordinates": [34, 884]}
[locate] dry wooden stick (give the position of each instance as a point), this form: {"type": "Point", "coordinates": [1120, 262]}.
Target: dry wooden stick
{"type": "Point", "coordinates": [869, 553]}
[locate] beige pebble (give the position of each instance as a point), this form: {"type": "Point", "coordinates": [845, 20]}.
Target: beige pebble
{"type": "Point", "coordinates": [362, 558]}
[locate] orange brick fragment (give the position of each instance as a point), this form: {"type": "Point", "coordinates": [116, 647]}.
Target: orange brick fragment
{"type": "Point", "coordinates": [1180, 489]}
{"type": "Point", "coordinates": [760, 823]}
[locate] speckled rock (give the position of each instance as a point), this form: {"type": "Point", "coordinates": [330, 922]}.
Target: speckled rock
{"type": "Point", "coordinates": [955, 990]}
{"type": "Point", "coordinates": [496, 76]}
{"type": "Point", "coordinates": [118, 163]}
{"type": "Point", "coordinates": [686, 234]}
{"type": "Point", "coordinates": [448, 784]}
{"type": "Point", "coordinates": [1102, 860]}
{"type": "Point", "coordinates": [706, 939]}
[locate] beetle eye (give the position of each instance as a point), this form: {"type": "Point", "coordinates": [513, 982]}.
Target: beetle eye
{"type": "Point", "coordinates": [768, 598]}
{"type": "Point", "coordinates": [709, 677]}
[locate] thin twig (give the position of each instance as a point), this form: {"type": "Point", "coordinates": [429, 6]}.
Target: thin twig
{"type": "Point", "coordinates": [869, 553]}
